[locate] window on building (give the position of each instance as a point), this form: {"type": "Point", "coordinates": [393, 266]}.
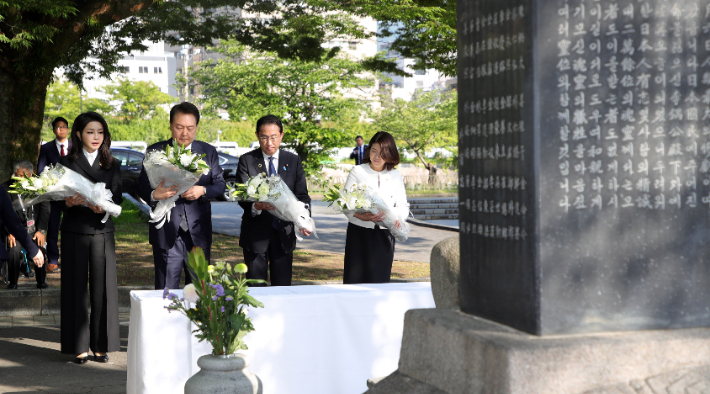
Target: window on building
{"type": "Point", "coordinates": [157, 70]}
{"type": "Point", "coordinates": [420, 84]}
{"type": "Point", "coordinates": [143, 69]}
{"type": "Point", "coordinates": [123, 69]}
{"type": "Point", "coordinates": [420, 72]}
{"type": "Point", "coordinates": [352, 45]}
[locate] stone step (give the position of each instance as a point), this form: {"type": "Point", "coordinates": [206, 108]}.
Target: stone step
{"type": "Point", "coordinates": [416, 212]}
{"type": "Point", "coordinates": [433, 206]}
{"type": "Point", "coordinates": [434, 200]}
{"type": "Point", "coordinates": [436, 217]}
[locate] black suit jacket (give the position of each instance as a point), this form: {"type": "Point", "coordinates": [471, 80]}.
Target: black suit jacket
{"type": "Point", "coordinates": [81, 219]}
{"type": "Point", "coordinates": [356, 157]}
{"type": "Point", "coordinates": [13, 224]}
{"type": "Point", "coordinates": [40, 211]}
{"type": "Point", "coordinates": [199, 212]}
{"type": "Point", "coordinates": [48, 154]}
{"type": "Point", "coordinates": [255, 232]}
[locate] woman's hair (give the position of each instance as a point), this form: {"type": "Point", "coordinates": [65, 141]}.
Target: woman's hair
{"type": "Point", "coordinates": [388, 149]}
{"type": "Point", "coordinates": [80, 123]}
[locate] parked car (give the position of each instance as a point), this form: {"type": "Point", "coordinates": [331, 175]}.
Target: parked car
{"type": "Point", "coordinates": [229, 165]}
{"type": "Point", "coordinates": [131, 166]}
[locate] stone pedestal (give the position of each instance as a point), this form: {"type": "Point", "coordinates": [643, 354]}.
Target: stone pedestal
{"type": "Point", "coordinates": [445, 351]}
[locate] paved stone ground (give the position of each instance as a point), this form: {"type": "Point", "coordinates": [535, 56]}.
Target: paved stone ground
{"type": "Point", "coordinates": [30, 360]}
{"type": "Point", "coordinates": [331, 228]}
{"type": "Point", "coordinates": [685, 381]}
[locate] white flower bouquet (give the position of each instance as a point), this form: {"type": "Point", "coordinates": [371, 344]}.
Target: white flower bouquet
{"type": "Point", "coordinates": [273, 190]}
{"type": "Point", "coordinates": [57, 182]}
{"type": "Point", "coordinates": [363, 199]}
{"type": "Point", "coordinates": [176, 166]}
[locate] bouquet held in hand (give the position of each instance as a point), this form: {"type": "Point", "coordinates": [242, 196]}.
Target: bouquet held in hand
{"type": "Point", "coordinates": [217, 303]}
{"type": "Point", "coordinates": [273, 189]}
{"type": "Point", "coordinates": [364, 199]}
{"type": "Point", "coordinates": [57, 182]}
{"type": "Point", "coordinates": [176, 166]}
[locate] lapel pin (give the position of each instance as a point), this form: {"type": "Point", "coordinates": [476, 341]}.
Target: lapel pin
{"type": "Point", "coordinates": [259, 165]}
{"type": "Point", "coordinates": [285, 168]}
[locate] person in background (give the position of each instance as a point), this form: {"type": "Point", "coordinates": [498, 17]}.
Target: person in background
{"type": "Point", "coordinates": [369, 248]}
{"type": "Point", "coordinates": [89, 247]}
{"type": "Point", "coordinates": [268, 242]}
{"type": "Point", "coordinates": [49, 154]}
{"type": "Point", "coordinates": [190, 222]}
{"type": "Point", "coordinates": [14, 226]}
{"type": "Point", "coordinates": [35, 219]}
{"type": "Point", "coordinates": [359, 151]}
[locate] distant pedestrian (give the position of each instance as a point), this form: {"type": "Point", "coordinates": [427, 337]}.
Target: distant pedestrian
{"type": "Point", "coordinates": [49, 154]}
{"type": "Point", "coordinates": [369, 248]}
{"type": "Point", "coordinates": [359, 151]}
{"type": "Point", "coordinates": [35, 219]}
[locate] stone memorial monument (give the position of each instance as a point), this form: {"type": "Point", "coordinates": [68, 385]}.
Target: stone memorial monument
{"type": "Point", "coordinates": [584, 154]}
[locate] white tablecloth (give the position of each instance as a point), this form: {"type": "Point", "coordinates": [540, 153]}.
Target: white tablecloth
{"type": "Point", "coordinates": [307, 339]}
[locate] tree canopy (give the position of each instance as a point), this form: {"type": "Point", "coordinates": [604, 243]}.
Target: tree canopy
{"type": "Point", "coordinates": [306, 96]}
{"type": "Point", "coordinates": [136, 99]}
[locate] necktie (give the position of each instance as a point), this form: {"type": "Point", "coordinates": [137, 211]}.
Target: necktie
{"type": "Point", "coordinates": [360, 154]}
{"type": "Point", "coordinates": [272, 172]}
{"type": "Point", "coordinates": [62, 152]}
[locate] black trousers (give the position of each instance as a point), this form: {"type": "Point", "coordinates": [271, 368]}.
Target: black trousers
{"type": "Point", "coordinates": [88, 258]}
{"type": "Point", "coordinates": [13, 266]}
{"type": "Point", "coordinates": [55, 217]}
{"type": "Point", "coordinates": [369, 254]}
{"type": "Point", "coordinates": [169, 263]}
{"type": "Point", "coordinates": [274, 260]}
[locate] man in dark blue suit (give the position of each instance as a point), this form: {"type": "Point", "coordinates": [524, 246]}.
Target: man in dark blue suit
{"type": "Point", "coordinates": [191, 219]}
{"type": "Point", "coordinates": [268, 243]}
{"type": "Point", "coordinates": [49, 154]}
{"type": "Point", "coordinates": [14, 226]}
{"type": "Point", "coordinates": [359, 151]}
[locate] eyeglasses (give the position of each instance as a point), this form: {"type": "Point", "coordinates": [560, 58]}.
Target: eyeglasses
{"type": "Point", "coordinates": [61, 127]}
{"type": "Point", "coordinates": [273, 138]}
{"type": "Point", "coordinates": [180, 128]}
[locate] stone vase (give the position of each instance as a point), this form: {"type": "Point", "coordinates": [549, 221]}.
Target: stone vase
{"type": "Point", "coordinates": [223, 374]}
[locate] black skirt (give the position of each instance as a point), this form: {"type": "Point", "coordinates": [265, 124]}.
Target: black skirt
{"type": "Point", "coordinates": [369, 254]}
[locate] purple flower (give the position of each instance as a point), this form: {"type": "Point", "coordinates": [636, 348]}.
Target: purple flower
{"type": "Point", "coordinates": [229, 298]}
{"type": "Point", "coordinates": [219, 288]}
{"type": "Point", "coordinates": [222, 309]}
{"type": "Point", "coordinates": [165, 292]}
{"type": "Point", "coordinates": [214, 298]}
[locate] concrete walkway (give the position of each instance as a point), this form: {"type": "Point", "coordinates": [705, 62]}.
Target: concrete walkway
{"type": "Point", "coordinates": [30, 360]}
{"type": "Point", "coordinates": [331, 228]}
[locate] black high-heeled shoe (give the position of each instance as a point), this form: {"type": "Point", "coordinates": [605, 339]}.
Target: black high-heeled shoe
{"type": "Point", "coordinates": [81, 360]}
{"type": "Point", "coordinates": [101, 359]}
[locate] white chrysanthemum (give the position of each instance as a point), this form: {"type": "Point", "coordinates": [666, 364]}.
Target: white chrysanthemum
{"type": "Point", "coordinates": [263, 197]}
{"type": "Point", "coordinates": [251, 191]}
{"type": "Point", "coordinates": [190, 293]}
{"type": "Point", "coordinates": [205, 171]}
{"type": "Point", "coordinates": [263, 189]}
{"type": "Point", "coordinates": [25, 184]}
{"type": "Point", "coordinates": [185, 160]}
{"type": "Point", "coordinates": [366, 204]}
{"type": "Point", "coordinates": [38, 183]}
{"type": "Point", "coordinates": [351, 202]}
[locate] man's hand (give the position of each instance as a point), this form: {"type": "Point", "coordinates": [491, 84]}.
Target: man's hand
{"type": "Point", "coordinates": [261, 206]}
{"type": "Point", "coordinates": [194, 193]}
{"type": "Point", "coordinates": [38, 259]}
{"type": "Point", "coordinates": [370, 217]}
{"type": "Point", "coordinates": [163, 193]}
{"type": "Point", "coordinates": [76, 199]}
{"type": "Point", "coordinates": [305, 232]}
{"type": "Point", "coordinates": [11, 241]}
{"type": "Point", "coordinates": [96, 208]}
{"type": "Point", "coordinates": [40, 238]}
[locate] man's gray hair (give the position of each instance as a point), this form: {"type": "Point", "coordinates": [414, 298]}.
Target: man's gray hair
{"type": "Point", "coordinates": [24, 164]}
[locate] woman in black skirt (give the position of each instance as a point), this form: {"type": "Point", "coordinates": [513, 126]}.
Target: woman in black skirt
{"type": "Point", "coordinates": [89, 247]}
{"type": "Point", "coordinates": [369, 248]}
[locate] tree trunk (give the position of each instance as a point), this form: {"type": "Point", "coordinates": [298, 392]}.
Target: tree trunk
{"type": "Point", "coordinates": [21, 116]}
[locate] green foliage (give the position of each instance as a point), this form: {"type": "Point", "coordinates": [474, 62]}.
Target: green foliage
{"type": "Point", "coordinates": [305, 95]}
{"type": "Point", "coordinates": [428, 121]}
{"type": "Point", "coordinates": [221, 297]}
{"type": "Point", "coordinates": [66, 100]}
{"type": "Point", "coordinates": [136, 99]}
{"type": "Point", "coordinates": [424, 30]}
{"type": "Point", "coordinates": [241, 132]}
{"type": "Point", "coordinates": [150, 130]}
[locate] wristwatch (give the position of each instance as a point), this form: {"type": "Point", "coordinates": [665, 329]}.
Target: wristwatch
{"type": "Point", "coordinates": [43, 232]}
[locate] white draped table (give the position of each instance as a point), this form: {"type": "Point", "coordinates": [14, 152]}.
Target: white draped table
{"type": "Point", "coordinates": [308, 339]}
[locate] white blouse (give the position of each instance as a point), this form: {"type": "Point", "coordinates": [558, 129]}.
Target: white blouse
{"type": "Point", "coordinates": [389, 185]}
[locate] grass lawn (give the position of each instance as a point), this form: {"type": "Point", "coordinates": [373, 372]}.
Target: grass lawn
{"type": "Point", "coordinates": [135, 256]}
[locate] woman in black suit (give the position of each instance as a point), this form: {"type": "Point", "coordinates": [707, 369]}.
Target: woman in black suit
{"type": "Point", "coordinates": [89, 247]}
